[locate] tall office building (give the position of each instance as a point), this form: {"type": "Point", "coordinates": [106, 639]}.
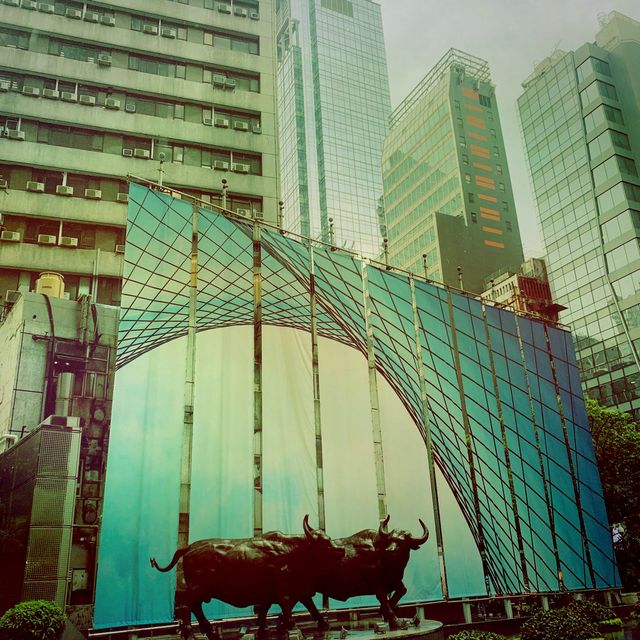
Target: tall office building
{"type": "Point", "coordinates": [90, 93]}
{"type": "Point", "coordinates": [580, 115]}
{"type": "Point", "coordinates": [333, 94]}
{"type": "Point", "coordinates": [447, 191]}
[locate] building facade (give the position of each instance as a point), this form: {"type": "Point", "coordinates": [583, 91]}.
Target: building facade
{"type": "Point", "coordinates": [580, 115]}
{"type": "Point", "coordinates": [333, 107]}
{"type": "Point", "coordinates": [91, 93]}
{"type": "Point", "coordinates": [447, 193]}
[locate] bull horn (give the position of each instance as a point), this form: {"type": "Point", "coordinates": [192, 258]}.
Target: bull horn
{"type": "Point", "coordinates": [425, 534]}
{"type": "Point", "coordinates": [305, 525]}
{"type": "Point", "coordinates": [383, 526]}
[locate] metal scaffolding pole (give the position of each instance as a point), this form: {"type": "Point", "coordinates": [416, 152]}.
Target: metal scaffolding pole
{"type": "Point", "coordinates": [424, 398]}
{"type": "Point", "coordinates": [189, 396]}
{"type": "Point", "coordinates": [373, 398]}
{"type": "Point", "coordinates": [257, 380]}
{"type": "Point", "coordinates": [315, 367]}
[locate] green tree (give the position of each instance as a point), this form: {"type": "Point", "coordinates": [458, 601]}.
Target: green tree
{"type": "Point", "coordinates": [616, 439]}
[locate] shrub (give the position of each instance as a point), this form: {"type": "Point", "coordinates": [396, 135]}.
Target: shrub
{"type": "Point", "coordinates": [32, 620]}
{"type": "Point", "coordinates": [477, 635]}
{"type": "Point", "coordinates": [567, 623]}
{"type": "Point", "coordinates": [593, 611]}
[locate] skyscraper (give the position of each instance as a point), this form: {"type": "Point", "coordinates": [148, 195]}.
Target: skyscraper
{"type": "Point", "coordinates": [447, 190]}
{"type": "Point", "coordinates": [333, 94]}
{"type": "Point", "coordinates": [90, 93]}
{"type": "Point", "coordinates": [580, 115]}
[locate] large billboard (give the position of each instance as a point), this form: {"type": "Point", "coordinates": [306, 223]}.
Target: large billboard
{"type": "Point", "coordinates": [310, 381]}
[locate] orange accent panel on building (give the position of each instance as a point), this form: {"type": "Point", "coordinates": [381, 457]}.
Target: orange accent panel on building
{"type": "Point", "coordinates": [493, 230]}
{"type": "Point", "coordinates": [493, 212]}
{"type": "Point", "coordinates": [473, 107]}
{"type": "Point", "coordinates": [480, 151]}
{"type": "Point", "coordinates": [470, 93]}
{"type": "Point", "coordinates": [488, 216]}
{"type": "Point", "coordinates": [491, 243]}
{"type": "Point", "coordinates": [484, 167]}
{"type": "Point", "coordinates": [483, 196]}
{"type": "Point", "coordinates": [485, 182]}
{"type": "Point", "coordinates": [477, 136]}
{"type": "Point", "coordinates": [476, 122]}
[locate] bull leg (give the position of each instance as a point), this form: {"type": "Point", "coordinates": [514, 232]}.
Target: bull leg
{"type": "Point", "coordinates": [286, 605]}
{"type": "Point", "coordinates": [395, 598]}
{"type": "Point", "coordinates": [183, 616]}
{"type": "Point", "coordinates": [387, 611]}
{"type": "Point", "coordinates": [323, 625]}
{"type": "Point", "coordinates": [205, 625]}
{"type": "Point", "coordinates": [261, 611]}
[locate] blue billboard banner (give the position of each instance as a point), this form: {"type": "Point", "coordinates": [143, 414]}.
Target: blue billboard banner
{"type": "Point", "coordinates": [321, 384]}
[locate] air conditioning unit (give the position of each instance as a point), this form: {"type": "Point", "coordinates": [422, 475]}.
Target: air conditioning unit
{"type": "Point", "coordinates": [119, 248]}
{"type": "Point", "coordinates": [104, 60]}
{"type": "Point", "coordinates": [108, 21]}
{"type": "Point", "coordinates": [31, 91]}
{"type": "Point", "coordinates": [36, 187]}
{"type": "Point", "coordinates": [45, 7]}
{"type": "Point", "coordinates": [244, 212]}
{"type": "Point", "coordinates": [221, 122]}
{"type": "Point", "coordinates": [92, 16]}
{"type": "Point", "coordinates": [112, 103]}
{"type": "Point", "coordinates": [93, 194]}
{"type": "Point", "coordinates": [10, 236]}
{"type": "Point", "coordinates": [169, 32]}
{"type": "Point", "coordinates": [29, 4]}
{"type": "Point", "coordinates": [52, 94]}
{"type": "Point", "coordinates": [240, 126]}
{"type": "Point", "coordinates": [130, 107]}
{"type": "Point", "coordinates": [5, 85]}
{"type": "Point", "coordinates": [88, 100]}
{"type": "Point", "coordinates": [4, 184]}
{"type": "Point", "coordinates": [122, 197]}
{"type": "Point", "coordinates": [258, 215]}
{"type": "Point", "coordinates": [218, 80]}
{"type": "Point", "coordinates": [207, 121]}
{"type": "Point", "coordinates": [221, 165]}
{"type": "Point", "coordinates": [68, 96]}
{"type": "Point", "coordinates": [254, 15]}
{"type": "Point", "coordinates": [230, 83]}
{"type": "Point", "coordinates": [76, 14]}
{"type": "Point", "coordinates": [223, 7]}
{"type": "Point", "coordinates": [240, 168]}
{"type": "Point", "coordinates": [239, 11]}
{"type": "Point", "coordinates": [150, 28]}
{"type": "Point", "coordinates": [64, 190]}
{"type": "Point", "coordinates": [14, 134]}
{"type": "Point", "coordinates": [127, 153]}
{"type": "Point", "coordinates": [256, 128]}
{"type": "Point", "coordinates": [44, 238]}
{"type": "Point", "coordinates": [66, 241]}
{"type": "Point", "coordinates": [145, 154]}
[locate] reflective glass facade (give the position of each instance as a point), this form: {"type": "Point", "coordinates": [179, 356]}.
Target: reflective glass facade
{"type": "Point", "coordinates": [447, 192]}
{"type": "Point", "coordinates": [333, 94]}
{"type": "Point", "coordinates": [579, 115]}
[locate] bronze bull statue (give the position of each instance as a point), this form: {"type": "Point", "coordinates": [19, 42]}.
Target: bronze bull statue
{"type": "Point", "coordinates": [275, 568]}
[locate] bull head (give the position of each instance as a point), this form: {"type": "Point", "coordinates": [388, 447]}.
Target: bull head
{"type": "Point", "coordinates": [416, 543]}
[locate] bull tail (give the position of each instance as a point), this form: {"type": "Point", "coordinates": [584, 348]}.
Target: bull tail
{"type": "Point", "coordinates": [176, 556]}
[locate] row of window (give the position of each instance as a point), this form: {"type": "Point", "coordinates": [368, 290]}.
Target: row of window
{"type": "Point", "coordinates": [595, 90]}
{"type": "Point", "coordinates": [133, 103]}
{"type": "Point", "coordinates": [624, 223]}
{"type": "Point", "coordinates": [617, 195]}
{"type": "Point", "coordinates": [623, 255]}
{"type": "Point", "coordinates": [612, 168]}
{"type": "Point", "coordinates": [593, 65]}
{"type": "Point", "coordinates": [608, 140]}
{"type": "Point", "coordinates": [604, 114]}
{"type": "Point", "coordinates": [627, 286]}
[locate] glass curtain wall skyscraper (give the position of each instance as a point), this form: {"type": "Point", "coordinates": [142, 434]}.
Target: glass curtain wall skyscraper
{"type": "Point", "coordinates": [580, 116]}
{"type": "Point", "coordinates": [447, 191]}
{"type": "Point", "coordinates": [333, 94]}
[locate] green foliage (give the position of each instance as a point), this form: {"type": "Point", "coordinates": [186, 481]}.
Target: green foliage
{"type": "Point", "coordinates": [566, 624]}
{"type": "Point", "coordinates": [616, 439]}
{"type": "Point", "coordinates": [32, 620]}
{"type": "Point", "coordinates": [593, 611]}
{"type": "Point", "coordinates": [477, 635]}
{"type": "Point", "coordinates": [612, 623]}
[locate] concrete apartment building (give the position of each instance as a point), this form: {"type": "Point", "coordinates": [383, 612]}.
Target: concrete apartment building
{"type": "Point", "coordinates": [447, 193]}
{"type": "Point", "coordinates": [92, 92]}
{"type": "Point", "coordinates": [333, 109]}
{"type": "Point", "coordinates": [580, 115]}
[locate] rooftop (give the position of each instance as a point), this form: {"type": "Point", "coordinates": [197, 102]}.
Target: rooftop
{"type": "Point", "coordinates": [477, 68]}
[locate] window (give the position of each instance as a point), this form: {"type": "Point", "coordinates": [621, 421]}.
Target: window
{"type": "Point", "coordinates": [499, 168]}
{"type": "Point", "coordinates": [474, 217]}
{"type": "Point", "coordinates": [618, 195]}
{"type": "Point", "coordinates": [606, 141]}
{"type": "Point", "coordinates": [233, 42]}
{"type": "Point", "coordinates": [138, 23]}
{"type": "Point", "coordinates": [624, 223]}
{"type": "Point", "coordinates": [508, 225]}
{"type": "Point", "coordinates": [243, 81]}
{"type": "Point", "coordinates": [496, 152]}
{"type": "Point", "coordinates": [593, 65]}
{"type": "Point", "coordinates": [157, 67]}
{"type": "Point", "coordinates": [70, 137]}
{"type": "Point", "coordinates": [471, 197]}
{"type": "Point", "coordinates": [597, 89]}
{"type": "Point", "coordinates": [74, 51]}
{"type": "Point", "coordinates": [602, 115]}
{"type": "Point", "coordinates": [465, 158]}
{"type": "Point", "coordinates": [467, 178]}
{"type": "Point", "coordinates": [13, 38]}
{"type": "Point", "coordinates": [612, 168]}
{"type": "Point", "coordinates": [624, 255]}
{"type": "Point", "coordinates": [485, 101]}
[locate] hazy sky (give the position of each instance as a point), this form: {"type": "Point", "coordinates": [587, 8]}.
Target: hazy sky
{"type": "Point", "coordinates": [512, 35]}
